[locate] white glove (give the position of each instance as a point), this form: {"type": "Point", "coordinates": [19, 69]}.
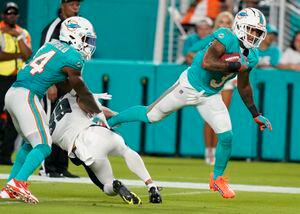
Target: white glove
{"type": "Point", "coordinates": [100, 119]}
{"type": "Point", "coordinates": [103, 96]}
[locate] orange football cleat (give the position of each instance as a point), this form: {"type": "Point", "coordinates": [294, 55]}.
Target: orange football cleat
{"type": "Point", "coordinates": [21, 191]}
{"type": "Point", "coordinates": [221, 185]}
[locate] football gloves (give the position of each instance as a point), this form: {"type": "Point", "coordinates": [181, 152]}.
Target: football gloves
{"type": "Point", "coordinates": [263, 123]}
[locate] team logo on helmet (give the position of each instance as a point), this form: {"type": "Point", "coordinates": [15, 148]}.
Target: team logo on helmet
{"type": "Point", "coordinates": [72, 25]}
{"type": "Point", "coordinates": [242, 14]}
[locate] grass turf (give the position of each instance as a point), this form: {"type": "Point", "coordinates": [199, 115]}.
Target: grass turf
{"type": "Point", "coordinates": [86, 198]}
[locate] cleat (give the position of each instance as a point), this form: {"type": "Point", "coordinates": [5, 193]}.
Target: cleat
{"type": "Point", "coordinates": [221, 185]}
{"type": "Point", "coordinates": [21, 191]}
{"type": "Point", "coordinates": [6, 194]}
{"type": "Point", "coordinates": [154, 195]}
{"type": "Point", "coordinates": [127, 196]}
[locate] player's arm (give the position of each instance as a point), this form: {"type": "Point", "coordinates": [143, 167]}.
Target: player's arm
{"type": "Point", "coordinates": [212, 59]}
{"type": "Point", "coordinates": [85, 96]}
{"type": "Point", "coordinates": [245, 91]}
{"type": "Point", "coordinates": [64, 86]}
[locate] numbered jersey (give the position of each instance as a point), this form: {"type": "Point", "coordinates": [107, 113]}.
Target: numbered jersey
{"type": "Point", "coordinates": [212, 81]}
{"type": "Point", "coordinates": [67, 121]}
{"type": "Point", "coordinates": [44, 70]}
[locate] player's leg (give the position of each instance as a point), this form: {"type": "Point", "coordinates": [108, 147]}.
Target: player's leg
{"type": "Point", "coordinates": [33, 126]}
{"type": "Point", "coordinates": [215, 113]}
{"type": "Point", "coordinates": [90, 173]}
{"type": "Point", "coordinates": [171, 100]}
{"type": "Point", "coordinates": [22, 153]}
{"type": "Point", "coordinates": [92, 146]}
{"type": "Point", "coordinates": [136, 164]}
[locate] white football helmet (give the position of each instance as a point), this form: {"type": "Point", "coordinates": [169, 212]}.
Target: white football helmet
{"type": "Point", "coordinates": [79, 33]}
{"type": "Point", "coordinates": [250, 27]}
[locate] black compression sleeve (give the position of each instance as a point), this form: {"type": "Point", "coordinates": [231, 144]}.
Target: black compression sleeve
{"type": "Point", "coordinates": [253, 110]}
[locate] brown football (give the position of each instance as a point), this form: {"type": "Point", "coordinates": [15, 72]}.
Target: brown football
{"type": "Point", "coordinates": [234, 57]}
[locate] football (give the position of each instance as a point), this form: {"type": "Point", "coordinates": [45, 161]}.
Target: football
{"type": "Point", "coordinates": [234, 57]}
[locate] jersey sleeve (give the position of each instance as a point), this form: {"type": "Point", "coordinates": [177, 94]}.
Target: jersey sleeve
{"type": "Point", "coordinates": [74, 60]}
{"type": "Point", "coordinates": [253, 58]}
{"type": "Point", "coordinates": [224, 36]}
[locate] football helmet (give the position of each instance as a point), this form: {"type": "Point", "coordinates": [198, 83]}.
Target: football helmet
{"type": "Point", "coordinates": [250, 27]}
{"type": "Point", "coordinates": [79, 33]}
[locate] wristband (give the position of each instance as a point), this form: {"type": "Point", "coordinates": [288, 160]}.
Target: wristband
{"type": "Point", "coordinates": [253, 110]}
{"type": "Point", "coordinates": [234, 67]}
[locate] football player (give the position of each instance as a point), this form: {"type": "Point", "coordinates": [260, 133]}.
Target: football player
{"type": "Point", "coordinates": [75, 132]}
{"type": "Point", "coordinates": [54, 62]}
{"type": "Point", "coordinates": [201, 83]}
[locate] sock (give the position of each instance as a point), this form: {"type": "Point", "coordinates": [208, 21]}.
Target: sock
{"type": "Point", "coordinates": [213, 151]}
{"type": "Point", "coordinates": [109, 190]}
{"type": "Point", "coordinates": [151, 185]}
{"type": "Point", "coordinates": [136, 164]}
{"type": "Point", "coordinates": [132, 114]}
{"type": "Point", "coordinates": [33, 160]}
{"type": "Point", "coordinates": [20, 159]}
{"type": "Point", "coordinates": [223, 153]}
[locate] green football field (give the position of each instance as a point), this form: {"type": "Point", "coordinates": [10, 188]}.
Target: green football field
{"type": "Point", "coordinates": [86, 198]}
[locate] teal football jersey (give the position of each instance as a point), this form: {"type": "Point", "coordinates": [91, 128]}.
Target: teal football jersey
{"type": "Point", "coordinates": [44, 70]}
{"type": "Point", "coordinates": [212, 81]}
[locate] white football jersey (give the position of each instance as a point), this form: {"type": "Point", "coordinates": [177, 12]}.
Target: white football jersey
{"type": "Point", "coordinates": [67, 121]}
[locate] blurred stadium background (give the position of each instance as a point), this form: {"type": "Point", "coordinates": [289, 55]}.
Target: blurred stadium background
{"type": "Point", "coordinates": [138, 56]}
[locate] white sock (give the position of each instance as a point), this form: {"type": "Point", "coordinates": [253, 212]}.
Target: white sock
{"type": "Point", "coordinates": [151, 185]}
{"type": "Point", "coordinates": [214, 151]}
{"type": "Point", "coordinates": [109, 190]}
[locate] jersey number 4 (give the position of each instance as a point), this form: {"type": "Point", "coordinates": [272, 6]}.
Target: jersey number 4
{"type": "Point", "coordinates": [39, 62]}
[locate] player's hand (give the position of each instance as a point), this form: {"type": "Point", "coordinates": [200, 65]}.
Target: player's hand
{"type": "Point", "coordinates": [102, 96]}
{"type": "Point", "coordinates": [263, 123]}
{"type": "Point", "coordinates": [52, 93]}
{"type": "Point", "coordinates": [100, 119]}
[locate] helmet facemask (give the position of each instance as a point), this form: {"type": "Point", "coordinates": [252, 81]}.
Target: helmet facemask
{"type": "Point", "coordinates": [88, 46]}
{"type": "Point", "coordinates": [251, 36]}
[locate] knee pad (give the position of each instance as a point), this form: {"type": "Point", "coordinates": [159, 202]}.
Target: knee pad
{"type": "Point", "coordinates": [45, 149]}
{"type": "Point", "coordinates": [225, 138]}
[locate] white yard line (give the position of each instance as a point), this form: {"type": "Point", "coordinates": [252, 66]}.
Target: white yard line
{"type": "Point", "coordinates": [185, 185]}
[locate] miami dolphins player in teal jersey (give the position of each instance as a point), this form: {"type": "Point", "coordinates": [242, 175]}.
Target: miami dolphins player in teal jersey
{"type": "Point", "coordinates": [57, 61]}
{"type": "Point", "coordinates": [200, 84]}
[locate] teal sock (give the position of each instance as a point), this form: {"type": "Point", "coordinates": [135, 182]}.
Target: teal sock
{"type": "Point", "coordinates": [20, 159]}
{"type": "Point", "coordinates": [33, 160]}
{"type": "Point", "coordinates": [223, 153]}
{"type": "Point", "coordinates": [132, 114]}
